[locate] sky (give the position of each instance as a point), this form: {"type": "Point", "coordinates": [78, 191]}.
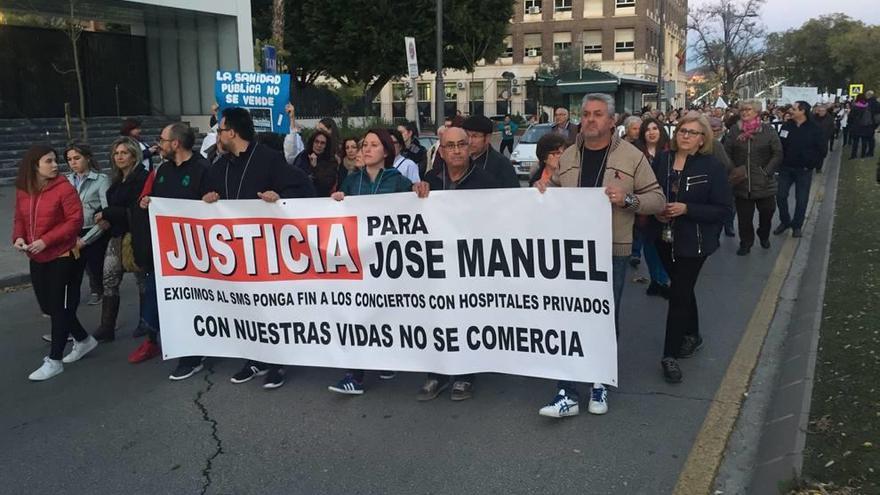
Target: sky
{"type": "Point", "coordinates": [779, 15]}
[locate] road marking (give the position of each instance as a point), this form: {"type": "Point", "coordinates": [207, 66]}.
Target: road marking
{"type": "Point", "coordinates": [698, 474]}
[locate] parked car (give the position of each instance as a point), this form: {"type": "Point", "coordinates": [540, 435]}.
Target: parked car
{"type": "Point", "coordinates": [428, 141]}
{"type": "Point", "coordinates": [524, 157]}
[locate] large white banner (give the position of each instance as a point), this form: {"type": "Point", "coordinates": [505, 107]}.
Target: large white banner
{"type": "Point", "coordinates": [507, 281]}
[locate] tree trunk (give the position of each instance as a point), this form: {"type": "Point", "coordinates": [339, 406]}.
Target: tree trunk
{"type": "Point", "coordinates": [278, 24]}
{"type": "Point", "coordinates": [79, 85]}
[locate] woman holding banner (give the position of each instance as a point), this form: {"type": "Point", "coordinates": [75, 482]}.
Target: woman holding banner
{"type": "Point", "coordinates": [376, 174]}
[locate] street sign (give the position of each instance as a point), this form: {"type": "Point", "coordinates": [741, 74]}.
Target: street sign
{"type": "Point", "coordinates": [856, 89]}
{"type": "Point", "coordinates": [412, 62]}
{"type": "Point", "coordinates": [270, 60]}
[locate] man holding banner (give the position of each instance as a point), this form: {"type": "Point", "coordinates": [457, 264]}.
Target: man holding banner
{"type": "Point", "coordinates": [247, 171]}
{"type": "Point", "coordinates": [600, 158]}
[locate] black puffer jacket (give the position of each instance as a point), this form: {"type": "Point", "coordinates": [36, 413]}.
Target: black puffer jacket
{"type": "Point", "coordinates": [703, 187]}
{"type": "Point", "coordinates": [760, 155]}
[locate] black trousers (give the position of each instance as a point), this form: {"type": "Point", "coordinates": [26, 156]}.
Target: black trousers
{"type": "Point", "coordinates": [93, 258]}
{"type": "Point", "coordinates": [508, 145]}
{"type": "Point", "coordinates": [745, 214]}
{"type": "Point", "coordinates": [683, 316]}
{"type": "Point", "coordinates": [56, 284]}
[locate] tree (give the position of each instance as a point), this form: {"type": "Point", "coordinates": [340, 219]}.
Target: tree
{"type": "Point", "coordinates": [728, 39]}
{"type": "Point", "coordinates": [855, 52]}
{"type": "Point", "coordinates": [360, 42]}
{"type": "Point", "coordinates": [802, 55]}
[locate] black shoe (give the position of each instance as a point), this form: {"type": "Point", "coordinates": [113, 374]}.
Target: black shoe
{"type": "Point", "coordinates": [690, 346]}
{"type": "Point", "coordinates": [634, 262]}
{"type": "Point", "coordinates": [653, 289]}
{"type": "Point", "coordinates": [765, 243]}
{"type": "Point", "coordinates": [248, 373]}
{"type": "Point", "coordinates": [462, 390]}
{"type": "Point", "coordinates": [182, 372]}
{"type": "Point", "coordinates": [431, 389]}
{"type": "Point", "coordinates": [742, 251]}
{"type": "Point", "coordinates": [780, 230]}
{"type": "Point", "coordinates": [796, 232]}
{"type": "Point", "coordinates": [671, 371]}
{"type": "Point", "coordinates": [274, 379]}
{"type": "Point", "coordinates": [664, 291]}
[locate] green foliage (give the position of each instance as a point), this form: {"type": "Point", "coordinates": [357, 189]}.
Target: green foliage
{"type": "Point", "coordinates": [360, 42]}
{"type": "Point", "coordinates": [823, 52]}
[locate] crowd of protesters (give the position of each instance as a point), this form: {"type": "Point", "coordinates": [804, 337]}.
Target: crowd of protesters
{"type": "Point", "coordinates": [675, 182]}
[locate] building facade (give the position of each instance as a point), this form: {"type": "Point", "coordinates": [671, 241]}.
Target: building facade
{"type": "Point", "coordinates": [621, 37]}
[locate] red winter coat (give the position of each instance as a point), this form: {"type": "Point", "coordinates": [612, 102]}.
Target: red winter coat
{"type": "Point", "coordinates": [53, 215]}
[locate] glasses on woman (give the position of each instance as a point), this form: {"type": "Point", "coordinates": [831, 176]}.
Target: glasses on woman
{"type": "Point", "coordinates": [690, 132]}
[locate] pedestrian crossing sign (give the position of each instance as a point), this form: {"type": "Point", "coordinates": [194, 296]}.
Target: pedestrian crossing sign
{"type": "Point", "coordinates": [856, 89]}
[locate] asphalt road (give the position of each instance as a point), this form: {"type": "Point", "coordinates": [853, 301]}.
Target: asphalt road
{"type": "Point", "coordinates": [105, 426]}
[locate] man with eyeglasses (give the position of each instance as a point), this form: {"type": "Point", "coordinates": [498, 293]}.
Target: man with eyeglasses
{"type": "Point", "coordinates": [458, 172]}
{"type": "Point", "coordinates": [247, 170]}
{"type": "Point", "coordinates": [484, 156]}
{"type": "Point", "coordinates": [563, 126]}
{"type": "Point", "coordinates": [600, 158]}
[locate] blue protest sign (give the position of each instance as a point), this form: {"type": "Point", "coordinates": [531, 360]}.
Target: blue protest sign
{"type": "Point", "coordinates": [263, 95]}
{"type": "Point", "coordinates": [270, 62]}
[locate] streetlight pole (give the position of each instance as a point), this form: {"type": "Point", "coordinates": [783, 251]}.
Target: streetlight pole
{"type": "Point", "coordinates": [440, 92]}
{"type": "Point", "coordinates": [661, 53]}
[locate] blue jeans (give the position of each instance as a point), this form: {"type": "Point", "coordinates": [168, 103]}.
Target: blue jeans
{"type": "Point", "coordinates": [637, 244]}
{"type": "Point", "coordinates": [801, 178]}
{"type": "Point", "coordinates": [655, 266]}
{"type": "Point", "coordinates": [618, 264]}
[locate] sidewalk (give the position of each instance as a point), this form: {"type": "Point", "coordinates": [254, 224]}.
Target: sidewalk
{"type": "Point", "coordinates": [13, 265]}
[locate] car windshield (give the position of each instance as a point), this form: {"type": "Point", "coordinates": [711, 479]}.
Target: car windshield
{"type": "Point", "coordinates": [534, 134]}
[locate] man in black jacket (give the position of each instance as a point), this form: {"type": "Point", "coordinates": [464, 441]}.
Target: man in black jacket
{"type": "Point", "coordinates": [179, 176]}
{"type": "Point", "coordinates": [825, 121]}
{"type": "Point", "coordinates": [803, 149]}
{"type": "Point", "coordinates": [249, 170]}
{"type": "Point", "coordinates": [484, 156]}
{"type": "Point", "coordinates": [411, 147]}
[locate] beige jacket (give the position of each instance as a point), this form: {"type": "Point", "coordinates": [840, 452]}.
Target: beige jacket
{"type": "Point", "coordinates": [626, 168]}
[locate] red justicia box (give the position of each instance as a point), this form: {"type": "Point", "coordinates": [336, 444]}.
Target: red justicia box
{"type": "Point", "coordinates": [259, 249]}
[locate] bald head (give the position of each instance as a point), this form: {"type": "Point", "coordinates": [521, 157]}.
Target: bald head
{"type": "Point", "coordinates": [454, 148]}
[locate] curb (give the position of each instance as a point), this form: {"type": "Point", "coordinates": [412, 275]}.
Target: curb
{"type": "Point", "coordinates": [14, 279]}
{"type": "Point", "coordinates": [718, 451]}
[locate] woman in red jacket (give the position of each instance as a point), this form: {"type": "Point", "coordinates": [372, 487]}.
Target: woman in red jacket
{"type": "Point", "coordinates": [48, 220]}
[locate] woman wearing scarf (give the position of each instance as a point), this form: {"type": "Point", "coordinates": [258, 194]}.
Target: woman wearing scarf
{"type": "Point", "coordinates": [861, 124]}
{"type": "Point", "coordinates": [756, 152]}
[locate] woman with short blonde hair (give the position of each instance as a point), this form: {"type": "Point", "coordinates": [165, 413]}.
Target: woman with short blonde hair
{"type": "Point", "coordinates": [703, 122]}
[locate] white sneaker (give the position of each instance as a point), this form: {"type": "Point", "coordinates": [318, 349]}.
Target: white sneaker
{"type": "Point", "coordinates": [80, 349]}
{"type": "Point", "coordinates": [598, 400]}
{"type": "Point", "coordinates": [561, 406]}
{"type": "Point", "coordinates": [50, 368]}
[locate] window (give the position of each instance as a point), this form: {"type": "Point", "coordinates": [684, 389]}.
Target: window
{"type": "Point", "coordinates": [425, 93]}
{"type": "Point", "coordinates": [562, 6]}
{"type": "Point", "coordinates": [624, 41]}
{"type": "Point", "coordinates": [623, 4]}
{"type": "Point", "coordinates": [561, 43]}
{"type": "Point", "coordinates": [398, 92]}
{"type": "Point", "coordinates": [475, 105]}
{"type": "Point", "coordinates": [450, 91]}
{"type": "Point", "coordinates": [592, 42]}
{"type": "Point", "coordinates": [508, 47]}
{"type": "Point", "coordinates": [502, 96]}
{"type": "Point", "coordinates": [593, 8]}
{"type": "Point", "coordinates": [532, 43]}
{"type": "Point", "coordinates": [532, 7]}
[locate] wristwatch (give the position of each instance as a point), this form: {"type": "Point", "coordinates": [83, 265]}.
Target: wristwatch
{"type": "Point", "coordinates": [631, 202]}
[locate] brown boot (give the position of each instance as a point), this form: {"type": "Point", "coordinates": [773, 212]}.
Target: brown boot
{"type": "Point", "coordinates": [109, 310]}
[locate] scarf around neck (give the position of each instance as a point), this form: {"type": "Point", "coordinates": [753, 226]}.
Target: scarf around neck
{"type": "Point", "coordinates": [749, 127]}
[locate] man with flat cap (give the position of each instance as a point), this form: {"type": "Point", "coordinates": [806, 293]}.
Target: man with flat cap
{"type": "Point", "coordinates": [484, 156]}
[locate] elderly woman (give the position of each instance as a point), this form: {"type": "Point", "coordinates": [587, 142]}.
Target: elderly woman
{"type": "Point", "coordinates": [688, 230]}
{"type": "Point", "coordinates": [631, 127]}
{"type": "Point", "coordinates": [755, 151]}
